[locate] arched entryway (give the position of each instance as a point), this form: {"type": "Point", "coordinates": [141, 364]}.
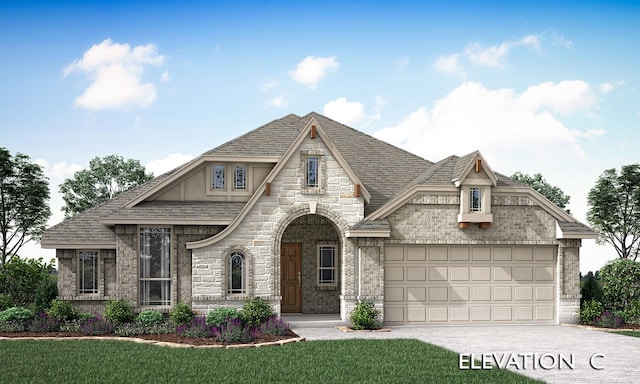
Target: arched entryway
{"type": "Point", "coordinates": [310, 277]}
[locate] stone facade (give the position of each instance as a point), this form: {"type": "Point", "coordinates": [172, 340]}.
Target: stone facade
{"type": "Point", "coordinates": [260, 233]}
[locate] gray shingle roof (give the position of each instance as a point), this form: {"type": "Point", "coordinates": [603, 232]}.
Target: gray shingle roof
{"type": "Point", "coordinates": [575, 228]}
{"type": "Point", "coordinates": [182, 210]}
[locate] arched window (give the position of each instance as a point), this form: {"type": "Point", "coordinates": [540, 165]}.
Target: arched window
{"type": "Point", "coordinates": [236, 273]}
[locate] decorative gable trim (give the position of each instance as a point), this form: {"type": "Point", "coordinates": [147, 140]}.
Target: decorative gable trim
{"type": "Point", "coordinates": [474, 163]}
{"type": "Point", "coordinates": [274, 172]}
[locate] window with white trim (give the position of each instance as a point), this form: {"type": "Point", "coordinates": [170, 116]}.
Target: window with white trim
{"type": "Point", "coordinates": [88, 272]}
{"type": "Point", "coordinates": [155, 266]}
{"type": "Point", "coordinates": [236, 273]}
{"type": "Point", "coordinates": [218, 177]}
{"type": "Point", "coordinates": [327, 265]}
{"type": "Point", "coordinates": [475, 199]}
{"type": "Point", "coordinates": [240, 177]}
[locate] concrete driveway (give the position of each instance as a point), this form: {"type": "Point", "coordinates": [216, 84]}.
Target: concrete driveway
{"type": "Point", "coordinates": [539, 347]}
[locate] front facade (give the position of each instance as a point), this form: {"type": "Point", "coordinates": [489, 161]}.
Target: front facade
{"type": "Point", "coordinates": [313, 216]}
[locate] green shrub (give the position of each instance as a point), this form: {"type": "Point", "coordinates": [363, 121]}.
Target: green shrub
{"type": "Point", "coordinates": [256, 311]}
{"type": "Point", "coordinates": [17, 314]}
{"type": "Point", "coordinates": [11, 326]}
{"type": "Point", "coordinates": [590, 311]}
{"type": "Point", "coordinates": [365, 316]}
{"type": "Point", "coordinates": [591, 290]}
{"type": "Point", "coordinates": [181, 314]}
{"type": "Point", "coordinates": [148, 317]}
{"type": "Point", "coordinates": [219, 316]}
{"type": "Point", "coordinates": [19, 276]}
{"type": "Point", "coordinates": [62, 310]}
{"type": "Point", "coordinates": [620, 283]}
{"type": "Point", "coordinates": [632, 313]}
{"type": "Point", "coordinates": [609, 319]}
{"type": "Point", "coordinates": [118, 311]}
{"type": "Point", "coordinates": [47, 291]}
{"type": "Point", "coordinates": [5, 301]}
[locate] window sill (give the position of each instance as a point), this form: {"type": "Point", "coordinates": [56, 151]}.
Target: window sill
{"type": "Point", "coordinates": [475, 217]}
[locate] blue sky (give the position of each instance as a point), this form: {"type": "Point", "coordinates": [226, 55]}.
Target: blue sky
{"type": "Point", "coordinates": [536, 87]}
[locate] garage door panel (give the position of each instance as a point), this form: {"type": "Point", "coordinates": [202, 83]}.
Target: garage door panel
{"type": "Point", "coordinates": [470, 284]}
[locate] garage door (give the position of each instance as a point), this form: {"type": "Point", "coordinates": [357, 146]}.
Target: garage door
{"type": "Point", "coordinates": [469, 284]}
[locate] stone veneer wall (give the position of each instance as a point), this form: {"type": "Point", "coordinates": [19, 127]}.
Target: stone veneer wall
{"type": "Point", "coordinates": [259, 234]}
{"type": "Point", "coordinates": [569, 280]}
{"type": "Point", "coordinates": [311, 230]}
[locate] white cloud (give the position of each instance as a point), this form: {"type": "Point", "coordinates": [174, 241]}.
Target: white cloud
{"type": "Point", "coordinates": [346, 112]}
{"type": "Point", "coordinates": [171, 161]}
{"type": "Point", "coordinates": [312, 69]}
{"type": "Point", "coordinates": [269, 85]}
{"type": "Point", "coordinates": [492, 57]}
{"type": "Point", "coordinates": [501, 123]}
{"type": "Point", "coordinates": [402, 63]}
{"type": "Point", "coordinates": [279, 102]}
{"type": "Point", "coordinates": [608, 87]}
{"type": "Point", "coordinates": [58, 171]}
{"type": "Point", "coordinates": [115, 71]}
{"type": "Point", "coordinates": [380, 102]}
{"type": "Point", "coordinates": [165, 78]}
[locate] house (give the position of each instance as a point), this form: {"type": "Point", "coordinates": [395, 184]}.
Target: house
{"type": "Point", "coordinates": [313, 216]}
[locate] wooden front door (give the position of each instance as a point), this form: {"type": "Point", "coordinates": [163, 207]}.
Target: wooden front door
{"type": "Point", "coordinates": [291, 277]}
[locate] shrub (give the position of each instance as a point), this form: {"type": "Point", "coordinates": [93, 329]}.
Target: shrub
{"type": "Point", "coordinates": [196, 328]}
{"type": "Point", "coordinates": [591, 290]}
{"type": "Point", "coordinates": [609, 319]}
{"type": "Point", "coordinates": [365, 316]}
{"type": "Point", "coordinates": [19, 276]}
{"type": "Point", "coordinates": [11, 326]}
{"type": "Point", "coordinates": [47, 291]}
{"type": "Point", "coordinates": [5, 302]}
{"type": "Point", "coordinates": [62, 310]}
{"type": "Point", "coordinates": [148, 317]}
{"type": "Point", "coordinates": [234, 331]}
{"type": "Point", "coordinates": [44, 323]}
{"type": "Point", "coordinates": [181, 314]}
{"type": "Point", "coordinates": [219, 316]}
{"type": "Point", "coordinates": [16, 314]}
{"type": "Point", "coordinates": [620, 283]}
{"type": "Point", "coordinates": [632, 313]}
{"type": "Point", "coordinates": [589, 311]}
{"type": "Point", "coordinates": [118, 311]}
{"type": "Point", "coordinates": [96, 325]}
{"type": "Point", "coordinates": [256, 311]}
{"type": "Point", "coordinates": [71, 325]}
{"type": "Point", "coordinates": [274, 326]}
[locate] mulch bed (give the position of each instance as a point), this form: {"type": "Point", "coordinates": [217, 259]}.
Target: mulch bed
{"type": "Point", "coordinates": [167, 337]}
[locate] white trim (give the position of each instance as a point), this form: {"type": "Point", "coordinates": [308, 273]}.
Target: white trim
{"type": "Point", "coordinates": [470, 165]}
{"type": "Point", "coordinates": [367, 233]}
{"type": "Point", "coordinates": [80, 273]}
{"type": "Point", "coordinates": [335, 266]}
{"type": "Point", "coordinates": [164, 221]}
{"type": "Point", "coordinates": [78, 245]}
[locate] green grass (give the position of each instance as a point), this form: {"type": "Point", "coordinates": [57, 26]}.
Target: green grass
{"type": "Point", "coordinates": [627, 333]}
{"type": "Point", "coordinates": [372, 361]}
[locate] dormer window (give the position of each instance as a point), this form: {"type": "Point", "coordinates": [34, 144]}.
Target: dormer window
{"type": "Point", "coordinates": [240, 177]}
{"type": "Point", "coordinates": [475, 199]}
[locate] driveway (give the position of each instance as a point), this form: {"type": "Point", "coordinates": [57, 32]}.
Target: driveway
{"type": "Point", "coordinates": [618, 356]}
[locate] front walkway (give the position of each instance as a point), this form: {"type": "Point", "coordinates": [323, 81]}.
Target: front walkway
{"type": "Point", "coordinates": [618, 355]}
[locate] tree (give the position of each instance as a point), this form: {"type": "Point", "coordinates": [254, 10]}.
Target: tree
{"type": "Point", "coordinates": [24, 203]}
{"type": "Point", "coordinates": [106, 178]}
{"type": "Point", "coordinates": [614, 209]}
{"type": "Point", "coordinates": [620, 283]}
{"type": "Point", "coordinates": [551, 192]}
{"type": "Point", "coordinates": [20, 278]}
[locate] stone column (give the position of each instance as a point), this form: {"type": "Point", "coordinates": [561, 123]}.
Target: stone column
{"type": "Point", "coordinates": [568, 268]}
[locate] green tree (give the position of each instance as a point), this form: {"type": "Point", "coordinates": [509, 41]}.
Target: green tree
{"type": "Point", "coordinates": [614, 209]}
{"type": "Point", "coordinates": [551, 192]}
{"type": "Point", "coordinates": [105, 178]}
{"type": "Point", "coordinates": [591, 289]}
{"type": "Point", "coordinates": [24, 203]}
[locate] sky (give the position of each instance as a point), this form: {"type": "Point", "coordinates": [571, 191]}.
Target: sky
{"type": "Point", "coordinates": [538, 87]}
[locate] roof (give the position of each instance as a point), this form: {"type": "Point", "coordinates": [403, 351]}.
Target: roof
{"type": "Point", "coordinates": [387, 172]}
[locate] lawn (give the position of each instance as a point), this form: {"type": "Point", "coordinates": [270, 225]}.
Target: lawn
{"type": "Point", "coordinates": [627, 333]}
{"type": "Point", "coordinates": [372, 361]}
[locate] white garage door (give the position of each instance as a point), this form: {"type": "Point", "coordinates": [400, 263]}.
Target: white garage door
{"type": "Point", "coordinates": [469, 284]}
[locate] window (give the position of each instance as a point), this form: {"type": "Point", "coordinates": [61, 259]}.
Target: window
{"type": "Point", "coordinates": [240, 177]}
{"type": "Point", "coordinates": [236, 273]}
{"type": "Point", "coordinates": [88, 272]}
{"type": "Point", "coordinates": [475, 199]}
{"type": "Point", "coordinates": [155, 266]}
{"type": "Point", "coordinates": [311, 171]}
{"type": "Point", "coordinates": [218, 177]}
{"type": "Point", "coordinates": [327, 265]}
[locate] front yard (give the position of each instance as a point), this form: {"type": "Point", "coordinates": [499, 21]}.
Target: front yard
{"type": "Point", "coordinates": [373, 361]}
